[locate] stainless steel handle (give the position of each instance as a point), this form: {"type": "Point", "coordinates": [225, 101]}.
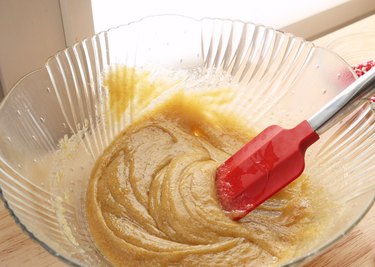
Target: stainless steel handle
{"type": "Point", "coordinates": [343, 103]}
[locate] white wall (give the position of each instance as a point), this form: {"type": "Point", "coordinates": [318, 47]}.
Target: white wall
{"type": "Point", "coordinates": [30, 32]}
{"type": "Point", "coordinates": [77, 20]}
{"type": "Point", "coordinates": [304, 18]}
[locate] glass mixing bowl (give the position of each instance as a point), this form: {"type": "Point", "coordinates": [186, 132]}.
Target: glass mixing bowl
{"type": "Point", "coordinates": [57, 120]}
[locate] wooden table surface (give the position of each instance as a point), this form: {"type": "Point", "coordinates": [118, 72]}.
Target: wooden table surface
{"type": "Point", "coordinates": [355, 43]}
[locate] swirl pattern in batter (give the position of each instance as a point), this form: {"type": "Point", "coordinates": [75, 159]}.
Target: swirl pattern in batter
{"type": "Point", "coordinates": [151, 199]}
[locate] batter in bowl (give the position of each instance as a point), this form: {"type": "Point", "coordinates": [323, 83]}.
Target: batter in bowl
{"type": "Point", "coordinates": [151, 199]}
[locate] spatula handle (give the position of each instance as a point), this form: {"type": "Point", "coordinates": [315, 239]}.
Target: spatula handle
{"type": "Point", "coordinates": [344, 103]}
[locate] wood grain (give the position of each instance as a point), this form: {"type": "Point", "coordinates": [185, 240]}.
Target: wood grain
{"type": "Point", "coordinates": [355, 44]}
{"type": "Point", "coordinates": [17, 249]}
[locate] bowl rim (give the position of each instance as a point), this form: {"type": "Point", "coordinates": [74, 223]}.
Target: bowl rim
{"type": "Point", "coordinates": [71, 262]}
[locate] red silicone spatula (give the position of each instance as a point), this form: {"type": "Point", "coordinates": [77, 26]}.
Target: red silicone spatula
{"type": "Point", "coordinates": [275, 157]}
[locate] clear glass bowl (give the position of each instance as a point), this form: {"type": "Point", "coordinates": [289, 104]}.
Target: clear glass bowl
{"type": "Point", "coordinates": [53, 112]}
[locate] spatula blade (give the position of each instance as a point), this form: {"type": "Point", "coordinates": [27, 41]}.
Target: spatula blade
{"type": "Point", "coordinates": [262, 167]}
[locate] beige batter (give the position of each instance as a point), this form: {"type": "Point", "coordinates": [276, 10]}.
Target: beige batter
{"type": "Point", "coordinates": [151, 199]}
